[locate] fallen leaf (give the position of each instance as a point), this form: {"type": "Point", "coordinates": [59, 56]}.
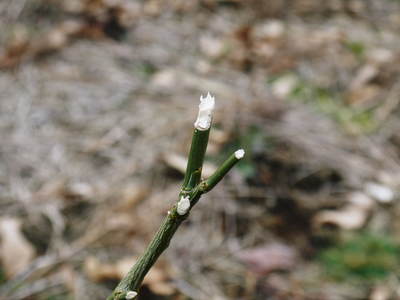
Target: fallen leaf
{"type": "Point", "coordinates": [211, 46]}
{"type": "Point", "coordinates": [156, 279]}
{"type": "Point", "coordinates": [363, 95]}
{"type": "Point", "coordinates": [380, 292]}
{"type": "Point", "coordinates": [282, 87]}
{"type": "Point", "coordinates": [165, 79]}
{"type": "Point", "coordinates": [361, 200]}
{"type": "Point", "coordinates": [272, 29]}
{"type": "Point", "coordinates": [16, 253]}
{"type": "Point", "coordinates": [179, 163]}
{"type": "Point", "coordinates": [132, 195]}
{"type": "Point", "coordinates": [352, 216]}
{"type": "Point", "coordinates": [380, 192]}
{"type": "Point", "coordinates": [363, 76]}
{"type": "Point", "coordinates": [349, 218]}
{"type": "Point", "coordinates": [268, 258]}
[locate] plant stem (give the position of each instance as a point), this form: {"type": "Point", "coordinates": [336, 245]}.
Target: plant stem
{"type": "Point", "coordinates": [196, 159]}
{"type": "Point", "coordinates": [212, 181]}
{"type": "Point", "coordinates": [191, 188]}
{"type": "Point", "coordinates": [160, 242]}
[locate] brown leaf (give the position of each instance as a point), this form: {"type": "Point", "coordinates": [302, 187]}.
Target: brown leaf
{"type": "Point", "coordinates": [380, 292]}
{"type": "Point", "coordinates": [16, 253]}
{"type": "Point", "coordinates": [352, 216]}
{"type": "Point", "coordinates": [349, 218]}
{"type": "Point", "coordinates": [132, 195]}
{"type": "Point", "coordinates": [267, 258]}
{"type": "Point", "coordinates": [179, 163]}
{"type": "Point", "coordinates": [156, 279]}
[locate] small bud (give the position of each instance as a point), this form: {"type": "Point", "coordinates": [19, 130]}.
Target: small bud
{"type": "Point", "coordinates": [239, 154]}
{"type": "Point", "coordinates": [130, 295]}
{"type": "Point", "coordinates": [183, 206]}
{"type": "Point", "coordinates": [206, 109]}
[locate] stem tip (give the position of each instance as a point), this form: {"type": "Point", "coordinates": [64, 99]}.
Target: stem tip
{"type": "Point", "coordinates": [239, 153]}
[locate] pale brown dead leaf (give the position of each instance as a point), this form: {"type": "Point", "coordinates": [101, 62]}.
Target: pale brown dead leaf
{"type": "Point", "coordinates": [211, 46]}
{"type": "Point", "coordinates": [352, 216]}
{"type": "Point", "coordinates": [380, 292]}
{"type": "Point", "coordinates": [156, 279]}
{"type": "Point", "coordinates": [132, 195]}
{"type": "Point", "coordinates": [179, 163]}
{"type": "Point", "coordinates": [268, 258]}
{"type": "Point", "coordinates": [363, 95]}
{"type": "Point", "coordinates": [16, 253]}
{"type": "Point", "coordinates": [348, 218]}
{"type": "Point", "coordinates": [218, 138]}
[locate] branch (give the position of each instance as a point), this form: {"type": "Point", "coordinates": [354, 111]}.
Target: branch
{"type": "Point", "coordinates": [191, 191]}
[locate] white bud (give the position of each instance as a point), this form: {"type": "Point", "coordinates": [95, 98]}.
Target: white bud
{"type": "Point", "coordinates": [130, 295]}
{"type": "Point", "coordinates": [239, 154]}
{"type": "Point", "coordinates": [183, 206]}
{"type": "Point", "coordinates": [206, 109]}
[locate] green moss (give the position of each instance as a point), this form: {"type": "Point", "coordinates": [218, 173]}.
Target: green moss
{"type": "Point", "coordinates": [366, 257]}
{"type": "Point", "coordinates": [356, 47]}
{"type": "Point", "coordinates": [330, 102]}
{"type": "Point", "coordinates": [2, 277]}
{"type": "Point", "coordinates": [145, 69]}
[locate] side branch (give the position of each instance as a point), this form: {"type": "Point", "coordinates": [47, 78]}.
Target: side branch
{"type": "Point", "coordinates": [192, 189]}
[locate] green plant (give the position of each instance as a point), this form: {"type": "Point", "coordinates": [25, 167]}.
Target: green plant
{"type": "Point", "coordinates": [356, 47]}
{"type": "Point", "coordinates": [2, 276]}
{"type": "Point", "coordinates": [330, 103]}
{"type": "Point", "coordinates": [192, 189]}
{"type": "Point", "coordinates": [365, 256]}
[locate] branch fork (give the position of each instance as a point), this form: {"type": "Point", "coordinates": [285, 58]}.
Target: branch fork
{"type": "Point", "coordinates": [192, 189]}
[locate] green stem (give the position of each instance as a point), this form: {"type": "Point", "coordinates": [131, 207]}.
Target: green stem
{"type": "Point", "coordinates": [217, 176]}
{"type": "Point", "coordinates": [208, 184]}
{"type": "Point", "coordinates": [192, 188]}
{"type": "Point", "coordinates": [196, 159]}
{"type": "Point", "coordinates": [133, 280]}
{"type": "Point", "coordinates": [160, 242]}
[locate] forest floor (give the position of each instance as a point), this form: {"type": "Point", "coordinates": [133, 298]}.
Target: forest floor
{"type": "Point", "coordinates": [97, 105]}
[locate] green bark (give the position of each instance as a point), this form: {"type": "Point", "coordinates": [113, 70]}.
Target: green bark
{"type": "Point", "coordinates": [192, 187]}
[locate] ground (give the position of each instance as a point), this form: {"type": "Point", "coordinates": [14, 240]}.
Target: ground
{"type": "Point", "coordinates": [98, 100]}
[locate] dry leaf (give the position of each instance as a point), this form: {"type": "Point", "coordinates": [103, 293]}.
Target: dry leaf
{"type": "Point", "coordinates": [179, 163]}
{"type": "Point", "coordinates": [380, 292]}
{"type": "Point", "coordinates": [156, 279]}
{"type": "Point", "coordinates": [218, 138]}
{"type": "Point", "coordinates": [98, 271]}
{"type": "Point", "coordinates": [282, 87]}
{"type": "Point", "coordinates": [380, 192]}
{"type": "Point", "coordinates": [16, 253]}
{"type": "Point", "coordinates": [211, 46]}
{"type": "Point", "coordinates": [363, 95]}
{"type": "Point", "coordinates": [364, 75]}
{"type": "Point", "coordinates": [361, 200]}
{"type": "Point", "coordinates": [348, 218]}
{"type": "Point", "coordinates": [352, 216]}
{"type": "Point", "coordinates": [132, 195]}
{"type": "Point", "coordinates": [270, 257]}
{"type": "Point", "coordinates": [165, 79]}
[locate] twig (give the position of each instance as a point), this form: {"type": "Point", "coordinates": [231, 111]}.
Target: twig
{"type": "Point", "coordinates": [191, 191]}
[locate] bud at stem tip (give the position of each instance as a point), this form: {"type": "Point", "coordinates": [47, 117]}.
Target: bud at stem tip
{"type": "Point", "coordinates": [239, 154]}
{"type": "Point", "coordinates": [206, 109]}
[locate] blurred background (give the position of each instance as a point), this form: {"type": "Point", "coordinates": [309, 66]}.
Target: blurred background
{"type": "Point", "coordinates": [97, 104]}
